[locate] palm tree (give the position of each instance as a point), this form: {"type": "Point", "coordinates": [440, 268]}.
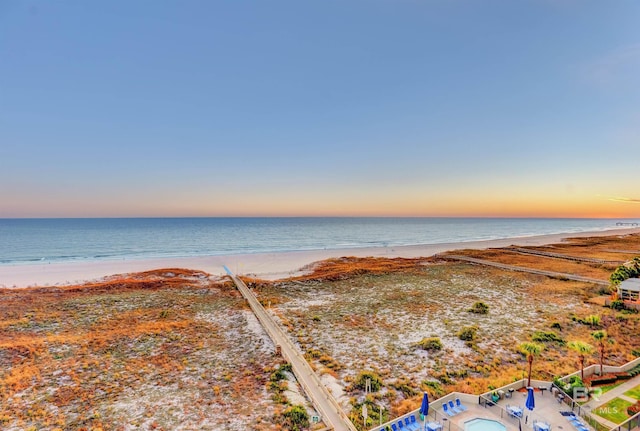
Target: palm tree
{"type": "Point", "coordinates": [600, 337]}
{"type": "Point", "coordinates": [583, 349]}
{"type": "Point", "coordinates": [530, 350]}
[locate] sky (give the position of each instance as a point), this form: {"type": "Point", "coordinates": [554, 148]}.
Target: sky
{"type": "Point", "coordinates": [493, 108]}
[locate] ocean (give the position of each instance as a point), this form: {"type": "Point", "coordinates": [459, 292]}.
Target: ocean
{"type": "Point", "coordinates": [24, 241]}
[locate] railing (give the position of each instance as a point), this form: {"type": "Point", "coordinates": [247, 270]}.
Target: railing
{"type": "Point", "coordinates": [595, 369]}
{"type": "Point", "coordinates": [630, 424]}
{"type": "Point", "coordinates": [435, 412]}
{"type": "Point", "coordinates": [300, 366]}
{"type": "Point", "coordinates": [564, 256]}
{"type": "Point", "coordinates": [528, 416]}
{"type": "Point", "coordinates": [583, 412]}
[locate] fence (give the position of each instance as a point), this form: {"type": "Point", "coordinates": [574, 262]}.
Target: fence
{"type": "Point", "coordinates": [595, 369]}
{"type": "Point", "coordinates": [630, 424]}
{"type": "Point", "coordinates": [485, 400]}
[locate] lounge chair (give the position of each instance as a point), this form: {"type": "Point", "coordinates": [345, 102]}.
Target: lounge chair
{"type": "Point", "coordinates": [578, 424]}
{"type": "Point", "coordinates": [400, 425]}
{"type": "Point", "coordinates": [410, 426]}
{"type": "Point", "coordinates": [460, 406]}
{"type": "Point", "coordinates": [394, 427]}
{"type": "Point", "coordinates": [453, 408]}
{"type": "Point", "coordinates": [414, 422]}
{"type": "Point", "coordinates": [446, 410]}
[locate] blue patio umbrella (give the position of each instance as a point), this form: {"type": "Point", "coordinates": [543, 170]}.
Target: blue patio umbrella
{"type": "Point", "coordinates": [531, 402]}
{"type": "Point", "coordinates": [424, 408]}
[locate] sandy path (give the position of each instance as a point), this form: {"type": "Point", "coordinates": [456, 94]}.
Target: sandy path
{"type": "Point", "coordinates": [265, 265]}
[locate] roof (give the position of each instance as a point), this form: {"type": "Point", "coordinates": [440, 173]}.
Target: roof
{"type": "Point", "coordinates": [632, 284]}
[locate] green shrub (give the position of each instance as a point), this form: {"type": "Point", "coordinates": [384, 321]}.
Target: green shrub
{"type": "Point", "coordinates": [623, 272]}
{"type": "Point", "coordinates": [468, 333]}
{"type": "Point", "coordinates": [295, 418]}
{"type": "Point", "coordinates": [634, 371]}
{"type": "Point", "coordinates": [598, 381]}
{"type": "Point", "coordinates": [633, 409]}
{"type": "Point", "coordinates": [479, 308]}
{"type": "Point", "coordinates": [405, 388]}
{"type": "Point", "coordinates": [436, 388]}
{"type": "Point", "coordinates": [592, 320]}
{"type": "Point", "coordinates": [360, 381]}
{"type": "Point", "coordinates": [277, 375]}
{"type": "Point", "coordinates": [617, 305]}
{"type": "Point", "coordinates": [576, 382]}
{"type": "Point", "coordinates": [430, 343]}
{"type": "Point", "coordinates": [547, 337]}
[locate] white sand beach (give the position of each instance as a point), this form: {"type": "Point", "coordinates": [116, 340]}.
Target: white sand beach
{"type": "Point", "coordinates": [270, 266]}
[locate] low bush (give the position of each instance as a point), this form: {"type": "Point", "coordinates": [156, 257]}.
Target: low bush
{"type": "Point", "coordinates": [605, 380]}
{"type": "Point", "coordinates": [634, 371]}
{"type": "Point", "coordinates": [468, 333]}
{"type": "Point", "coordinates": [634, 409]}
{"type": "Point", "coordinates": [547, 337]}
{"type": "Point", "coordinates": [430, 343]}
{"type": "Point", "coordinates": [434, 387]}
{"type": "Point", "coordinates": [617, 305]}
{"type": "Point", "coordinates": [479, 308]}
{"type": "Point", "coordinates": [295, 418]}
{"type": "Point", "coordinates": [405, 388]}
{"type": "Point", "coordinates": [360, 381]}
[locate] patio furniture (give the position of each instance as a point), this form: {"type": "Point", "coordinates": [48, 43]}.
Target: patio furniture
{"type": "Point", "coordinates": [460, 406]}
{"type": "Point", "coordinates": [414, 422]}
{"type": "Point", "coordinates": [453, 408]}
{"type": "Point", "coordinates": [541, 426]}
{"type": "Point", "coordinates": [514, 411]}
{"type": "Point", "coordinates": [434, 426]}
{"type": "Point", "coordinates": [446, 410]}
{"type": "Point", "coordinates": [410, 426]}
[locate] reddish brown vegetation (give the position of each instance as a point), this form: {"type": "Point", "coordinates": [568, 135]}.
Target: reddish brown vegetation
{"type": "Point", "coordinates": [131, 350]}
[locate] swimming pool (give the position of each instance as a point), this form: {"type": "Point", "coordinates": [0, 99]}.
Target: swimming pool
{"type": "Point", "coordinates": [483, 425]}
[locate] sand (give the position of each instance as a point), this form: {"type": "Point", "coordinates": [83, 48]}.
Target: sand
{"type": "Point", "coordinates": [271, 266]}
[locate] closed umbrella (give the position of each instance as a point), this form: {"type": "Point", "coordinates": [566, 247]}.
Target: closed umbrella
{"type": "Point", "coordinates": [531, 402]}
{"type": "Point", "coordinates": [424, 409]}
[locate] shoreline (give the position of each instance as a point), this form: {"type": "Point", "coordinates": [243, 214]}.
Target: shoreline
{"type": "Point", "coordinates": [270, 266]}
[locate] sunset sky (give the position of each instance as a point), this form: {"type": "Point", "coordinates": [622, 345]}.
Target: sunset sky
{"type": "Point", "coordinates": [332, 107]}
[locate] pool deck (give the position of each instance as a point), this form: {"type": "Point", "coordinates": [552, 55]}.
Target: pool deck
{"type": "Point", "coordinates": [547, 410]}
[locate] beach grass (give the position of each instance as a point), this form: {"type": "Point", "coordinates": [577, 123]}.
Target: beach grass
{"type": "Point", "coordinates": [174, 347]}
{"type": "Point", "coordinates": [376, 319]}
{"type": "Point", "coordinates": [153, 351]}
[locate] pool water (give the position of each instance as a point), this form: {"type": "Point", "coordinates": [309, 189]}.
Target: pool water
{"type": "Point", "coordinates": [483, 425]}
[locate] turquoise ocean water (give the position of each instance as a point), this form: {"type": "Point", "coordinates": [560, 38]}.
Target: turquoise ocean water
{"type": "Point", "coordinates": [24, 241]}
